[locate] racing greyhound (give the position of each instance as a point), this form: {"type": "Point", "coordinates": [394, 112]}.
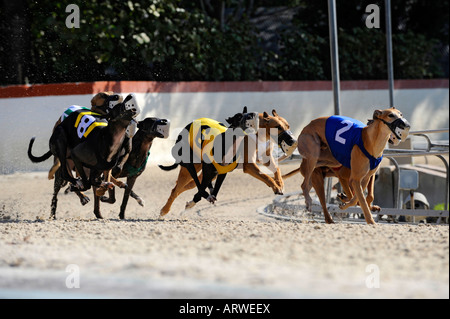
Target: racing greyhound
{"type": "Point", "coordinates": [337, 141]}
{"type": "Point", "coordinates": [206, 142]}
{"type": "Point", "coordinates": [93, 142]}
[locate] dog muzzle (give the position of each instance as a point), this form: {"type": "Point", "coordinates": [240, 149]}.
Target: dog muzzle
{"type": "Point", "coordinates": [162, 128]}
{"type": "Point", "coordinates": [113, 100]}
{"type": "Point", "coordinates": [251, 122]}
{"type": "Point", "coordinates": [400, 130]}
{"type": "Point", "coordinates": [131, 128]}
{"type": "Point", "coordinates": [287, 142]}
{"type": "Point", "coordinates": [131, 105]}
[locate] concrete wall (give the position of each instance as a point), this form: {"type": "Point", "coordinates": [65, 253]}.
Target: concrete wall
{"type": "Point", "coordinates": [27, 111]}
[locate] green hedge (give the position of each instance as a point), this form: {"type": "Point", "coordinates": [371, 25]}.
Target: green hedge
{"type": "Point", "coordinates": [160, 40]}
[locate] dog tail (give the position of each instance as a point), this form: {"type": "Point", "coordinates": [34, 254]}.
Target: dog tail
{"type": "Point", "coordinates": [295, 171]}
{"type": "Point", "coordinates": [168, 168]}
{"type": "Point", "coordinates": [35, 159]}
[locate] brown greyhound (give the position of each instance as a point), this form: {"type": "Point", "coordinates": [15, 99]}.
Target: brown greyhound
{"type": "Point", "coordinates": [286, 142]}
{"type": "Point", "coordinates": [341, 141]}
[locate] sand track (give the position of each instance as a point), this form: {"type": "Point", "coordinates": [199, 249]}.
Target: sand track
{"type": "Point", "coordinates": [227, 250]}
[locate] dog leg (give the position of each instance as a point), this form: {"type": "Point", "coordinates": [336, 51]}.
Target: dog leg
{"type": "Point", "coordinates": [370, 197]}
{"type": "Point", "coordinates": [271, 164]}
{"type": "Point", "coordinates": [359, 178]}
{"type": "Point", "coordinates": [137, 198]}
{"type": "Point", "coordinates": [58, 146]}
{"type": "Point", "coordinates": [126, 196]}
{"type": "Point", "coordinates": [184, 178]}
{"type": "Point", "coordinates": [82, 184]}
{"type": "Point", "coordinates": [253, 170]}
{"type": "Point", "coordinates": [356, 185]}
{"type": "Point", "coordinates": [54, 168]}
{"type": "Point", "coordinates": [309, 147]}
{"type": "Point", "coordinates": [209, 173]}
{"type": "Point", "coordinates": [216, 188]}
{"type": "Point", "coordinates": [83, 198]}
{"type": "Point", "coordinates": [59, 182]}
{"type": "Point", "coordinates": [279, 179]}
{"type": "Point", "coordinates": [111, 199]}
{"type": "Point", "coordinates": [97, 204]}
{"type": "Point", "coordinates": [201, 188]}
{"type": "Point", "coordinates": [305, 169]}
{"type": "Point", "coordinates": [318, 184]}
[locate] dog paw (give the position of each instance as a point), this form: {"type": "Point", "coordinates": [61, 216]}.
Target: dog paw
{"type": "Point", "coordinates": [189, 204]}
{"type": "Point", "coordinates": [212, 199]}
{"type": "Point", "coordinates": [108, 185]}
{"type": "Point", "coordinates": [140, 201]}
{"type": "Point", "coordinates": [108, 200]}
{"type": "Point", "coordinates": [375, 208]}
{"type": "Point", "coordinates": [84, 200]}
{"type": "Point", "coordinates": [100, 192]}
{"type": "Point", "coordinates": [278, 191]}
{"type": "Point", "coordinates": [342, 197]}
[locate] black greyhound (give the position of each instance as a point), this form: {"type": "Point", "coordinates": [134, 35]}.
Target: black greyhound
{"type": "Point", "coordinates": [91, 141]}
{"type": "Point", "coordinates": [142, 141]}
{"type": "Point", "coordinates": [207, 142]}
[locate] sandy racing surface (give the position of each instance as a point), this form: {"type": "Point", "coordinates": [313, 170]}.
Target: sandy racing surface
{"type": "Point", "coordinates": [222, 251]}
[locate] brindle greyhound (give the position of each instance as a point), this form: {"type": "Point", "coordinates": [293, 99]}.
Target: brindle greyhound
{"type": "Point", "coordinates": [264, 147]}
{"type": "Point", "coordinates": [320, 144]}
{"type": "Point", "coordinates": [142, 141]}
{"type": "Point", "coordinates": [206, 142]}
{"type": "Point", "coordinates": [101, 103]}
{"type": "Point", "coordinates": [93, 143]}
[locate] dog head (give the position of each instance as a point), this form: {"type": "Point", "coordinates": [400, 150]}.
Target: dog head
{"type": "Point", "coordinates": [103, 102]}
{"type": "Point", "coordinates": [155, 127]}
{"type": "Point", "coordinates": [286, 140]}
{"type": "Point", "coordinates": [126, 110]}
{"type": "Point", "coordinates": [395, 121]}
{"type": "Point", "coordinates": [248, 122]}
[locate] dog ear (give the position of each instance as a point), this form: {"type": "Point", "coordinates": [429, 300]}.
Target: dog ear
{"type": "Point", "coordinates": [266, 116]}
{"type": "Point", "coordinates": [245, 110]}
{"type": "Point", "coordinates": [99, 99]}
{"type": "Point", "coordinates": [377, 114]}
{"type": "Point", "coordinates": [274, 112]}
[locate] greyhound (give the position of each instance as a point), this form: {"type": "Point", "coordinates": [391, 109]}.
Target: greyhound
{"type": "Point", "coordinates": [341, 141]}
{"type": "Point", "coordinates": [205, 142]}
{"type": "Point", "coordinates": [93, 142]}
{"type": "Point", "coordinates": [148, 129]}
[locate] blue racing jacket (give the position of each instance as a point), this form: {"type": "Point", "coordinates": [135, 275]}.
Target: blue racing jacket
{"type": "Point", "coordinates": [342, 134]}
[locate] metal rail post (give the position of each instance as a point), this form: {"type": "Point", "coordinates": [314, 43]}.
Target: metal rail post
{"type": "Point", "coordinates": [390, 63]}
{"type": "Point", "coordinates": [334, 54]}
